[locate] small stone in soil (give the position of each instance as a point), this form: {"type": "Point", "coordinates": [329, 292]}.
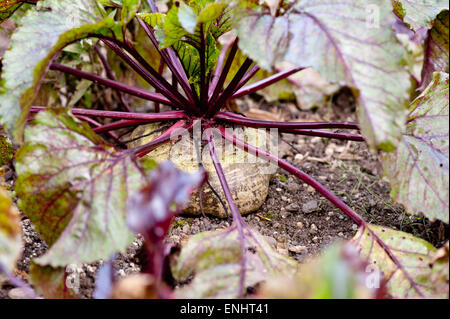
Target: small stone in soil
{"type": "Point", "coordinates": [293, 187]}
{"type": "Point", "coordinates": [310, 207]}
{"type": "Point", "coordinates": [284, 214]}
{"type": "Point", "coordinates": [294, 207]}
{"type": "Point", "coordinates": [313, 228]}
{"type": "Point", "coordinates": [19, 293]}
{"type": "Point", "coordinates": [298, 249]}
{"type": "Point", "coordinates": [300, 225]}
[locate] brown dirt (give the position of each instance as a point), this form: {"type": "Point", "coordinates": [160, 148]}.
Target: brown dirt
{"type": "Point", "coordinates": [293, 215]}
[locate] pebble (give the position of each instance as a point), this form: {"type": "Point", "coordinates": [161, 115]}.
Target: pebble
{"type": "Point", "coordinates": [284, 214]}
{"type": "Point", "coordinates": [195, 229]}
{"type": "Point", "coordinates": [293, 187]}
{"type": "Point", "coordinates": [330, 213]}
{"type": "Point", "coordinates": [91, 269]}
{"type": "Point", "coordinates": [186, 228]}
{"type": "Point", "coordinates": [313, 228]}
{"type": "Point", "coordinates": [299, 157]}
{"type": "Point", "coordinates": [354, 227]}
{"type": "Point", "coordinates": [341, 234]}
{"type": "Point", "coordinates": [316, 139]}
{"type": "Point", "coordinates": [341, 217]}
{"type": "Point", "coordinates": [175, 239]}
{"type": "Point", "coordinates": [298, 249]}
{"type": "Point", "coordinates": [294, 207]}
{"type": "Point", "coordinates": [19, 293]}
{"type": "Point", "coordinates": [278, 189]}
{"type": "Point", "coordinates": [300, 225]}
{"type": "Point", "coordinates": [315, 239]}
{"type": "Point", "coordinates": [310, 207]}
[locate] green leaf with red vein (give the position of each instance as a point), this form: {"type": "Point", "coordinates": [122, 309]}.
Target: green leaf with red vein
{"type": "Point", "coordinates": [420, 273]}
{"type": "Point", "coordinates": [50, 282]}
{"type": "Point", "coordinates": [436, 49]}
{"type": "Point", "coordinates": [419, 13]}
{"type": "Point", "coordinates": [6, 149]}
{"type": "Point", "coordinates": [8, 7]}
{"type": "Point", "coordinates": [214, 258]}
{"type": "Point", "coordinates": [75, 189]}
{"type": "Point", "coordinates": [32, 48]}
{"type": "Point", "coordinates": [347, 44]}
{"type": "Point", "coordinates": [419, 169]}
{"type": "Point", "coordinates": [338, 273]}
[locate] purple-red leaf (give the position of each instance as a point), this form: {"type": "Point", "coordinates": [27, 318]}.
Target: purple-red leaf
{"type": "Point", "coordinates": [436, 49]}
{"type": "Point", "coordinates": [150, 211]}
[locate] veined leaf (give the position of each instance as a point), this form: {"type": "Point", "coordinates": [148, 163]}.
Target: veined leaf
{"type": "Point", "coordinates": [419, 13]}
{"type": "Point", "coordinates": [215, 259]}
{"type": "Point", "coordinates": [187, 17]}
{"type": "Point", "coordinates": [346, 44]}
{"type": "Point", "coordinates": [51, 283]}
{"type": "Point", "coordinates": [419, 275]}
{"type": "Point", "coordinates": [10, 232]}
{"type": "Point", "coordinates": [60, 22]}
{"type": "Point", "coordinates": [153, 19]}
{"type": "Point", "coordinates": [75, 189]}
{"type": "Point", "coordinates": [8, 7]}
{"type": "Point", "coordinates": [180, 28]}
{"type": "Point", "coordinates": [6, 149]}
{"type": "Point", "coordinates": [436, 49]}
{"type": "Point", "coordinates": [338, 273]}
{"type": "Point", "coordinates": [418, 169]}
{"type": "Point", "coordinates": [210, 12]}
{"type": "Point", "coordinates": [129, 10]}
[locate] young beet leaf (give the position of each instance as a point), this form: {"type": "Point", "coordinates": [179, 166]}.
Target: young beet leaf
{"type": "Point", "coordinates": [75, 187]}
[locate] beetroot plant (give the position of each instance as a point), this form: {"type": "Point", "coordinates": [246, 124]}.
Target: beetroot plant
{"type": "Point", "coordinates": [87, 186]}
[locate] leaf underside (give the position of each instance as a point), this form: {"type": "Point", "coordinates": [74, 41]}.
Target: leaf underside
{"type": "Point", "coordinates": [215, 259]}
{"type": "Point", "coordinates": [339, 40]}
{"type": "Point", "coordinates": [75, 189]}
{"type": "Point", "coordinates": [419, 13]}
{"type": "Point", "coordinates": [436, 49]}
{"type": "Point", "coordinates": [416, 258]}
{"type": "Point", "coordinates": [418, 170]}
{"type": "Point", "coordinates": [60, 22]}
